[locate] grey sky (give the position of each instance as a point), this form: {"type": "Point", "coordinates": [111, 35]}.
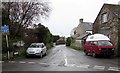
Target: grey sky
{"type": "Point", "coordinates": [65, 14]}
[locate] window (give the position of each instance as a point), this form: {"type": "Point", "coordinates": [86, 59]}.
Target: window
{"type": "Point", "coordinates": [89, 43]}
{"type": "Point", "coordinates": [89, 32]}
{"type": "Point", "coordinates": [104, 18]}
{"type": "Point", "coordinates": [104, 43]}
{"type": "Point", "coordinates": [74, 32]}
{"type": "Point", "coordinates": [35, 46]}
{"type": "Point", "coordinates": [95, 43]}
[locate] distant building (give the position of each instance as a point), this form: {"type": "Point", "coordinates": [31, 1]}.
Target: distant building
{"type": "Point", "coordinates": [83, 28]}
{"type": "Point", "coordinates": [19, 43]}
{"type": "Point", "coordinates": [60, 41]}
{"type": "Point", "coordinates": [81, 32]}
{"type": "Point", "coordinates": [107, 22]}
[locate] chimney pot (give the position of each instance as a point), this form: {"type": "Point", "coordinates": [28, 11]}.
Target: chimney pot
{"type": "Point", "coordinates": [81, 20]}
{"type": "Point", "coordinates": [119, 3]}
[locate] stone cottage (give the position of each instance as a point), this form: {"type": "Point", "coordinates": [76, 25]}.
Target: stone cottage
{"type": "Point", "coordinates": [81, 32]}
{"type": "Point", "coordinates": [107, 23]}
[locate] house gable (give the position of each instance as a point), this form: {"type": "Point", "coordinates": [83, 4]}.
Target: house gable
{"type": "Point", "coordinates": [110, 11]}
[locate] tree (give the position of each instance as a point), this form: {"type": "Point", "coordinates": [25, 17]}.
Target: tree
{"type": "Point", "coordinates": [69, 41]}
{"type": "Point", "coordinates": [55, 38]}
{"type": "Point", "coordinates": [19, 15]}
{"type": "Point", "coordinates": [39, 33]}
{"type": "Point", "coordinates": [44, 34]}
{"type": "Point", "coordinates": [30, 33]}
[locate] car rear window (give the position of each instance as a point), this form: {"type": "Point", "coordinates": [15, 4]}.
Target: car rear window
{"type": "Point", "coordinates": [35, 46]}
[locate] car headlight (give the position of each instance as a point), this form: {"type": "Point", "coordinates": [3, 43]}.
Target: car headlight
{"type": "Point", "coordinates": [99, 48]}
{"type": "Point", "coordinates": [113, 49]}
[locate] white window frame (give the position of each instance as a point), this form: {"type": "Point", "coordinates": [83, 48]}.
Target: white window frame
{"type": "Point", "coordinates": [104, 18]}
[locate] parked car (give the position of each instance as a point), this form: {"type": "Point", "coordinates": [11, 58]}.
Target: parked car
{"type": "Point", "coordinates": [98, 44]}
{"type": "Point", "coordinates": [36, 49]}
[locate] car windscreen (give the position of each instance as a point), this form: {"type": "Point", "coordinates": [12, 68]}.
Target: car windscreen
{"type": "Point", "coordinates": [35, 46]}
{"type": "Point", "coordinates": [104, 43]}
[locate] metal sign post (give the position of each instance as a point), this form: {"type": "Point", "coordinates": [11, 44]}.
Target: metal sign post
{"type": "Point", "coordinates": [5, 31]}
{"type": "Point", "coordinates": [8, 53]}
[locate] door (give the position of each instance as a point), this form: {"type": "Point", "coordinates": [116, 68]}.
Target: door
{"type": "Point", "coordinates": [94, 47]}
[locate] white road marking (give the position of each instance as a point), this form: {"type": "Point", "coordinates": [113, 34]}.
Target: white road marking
{"type": "Point", "coordinates": [1, 61]}
{"type": "Point", "coordinates": [83, 66]}
{"type": "Point", "coordinates": [70, 65]}
{"type": "Point", "coordinates": [22, 62]}
{"type": "Point", "coordinates": [31, 62]}
{"type": "Point", "coordinates": [66, 62]}
{"type": "Point", "coordinates": [11, 61]}
{"type": "Point", "coordinates": [43, 63]}
{"type": "Point", "coordinates": [99, 67]}
{"type": "Point", "coordinates": [114, 68]}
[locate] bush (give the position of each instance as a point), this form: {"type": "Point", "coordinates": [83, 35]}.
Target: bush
{"type": "Point", "coordinates": [49, 45]}
{"type": "Point", "coordinates": [68, 41]}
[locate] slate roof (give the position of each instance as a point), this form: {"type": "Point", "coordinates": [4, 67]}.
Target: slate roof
{"type": "Point", "coordinates": [87, 26]}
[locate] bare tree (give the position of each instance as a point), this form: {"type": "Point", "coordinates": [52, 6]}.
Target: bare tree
{"type": "Point", "coordinates": [22, 14]}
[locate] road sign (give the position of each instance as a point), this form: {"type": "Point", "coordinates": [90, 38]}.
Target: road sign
{"type": "Point", "coordinates": [5, 29]}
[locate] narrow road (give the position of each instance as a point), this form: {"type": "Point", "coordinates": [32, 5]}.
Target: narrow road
{"type": "Point", "coordinates": [61, 58]}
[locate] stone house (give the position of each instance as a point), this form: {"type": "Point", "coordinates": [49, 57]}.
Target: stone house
{"type": "Point", "coordinates": [107, 22]}
{"type": "Point", "coordinates": [81, 32]}
{"type": "Point", "coordinates": [72, 33]}
{"type": "Point", "coordinates": [83, 28]}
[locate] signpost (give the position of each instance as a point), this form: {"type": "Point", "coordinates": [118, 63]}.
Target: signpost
{"type": "Point", "coordinates": [5, 31]}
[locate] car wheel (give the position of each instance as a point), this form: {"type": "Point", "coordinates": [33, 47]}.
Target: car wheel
{"type": "Point", "coordinates": [41, 55]}
{"type": "Point", "coordinates": [45, 53]}
{"type": "Point", "coordinates": [109, 56]}
{"type": "Point", "coordinates": [86, 53]}
{"type": "Point", "coordinates": [94, 54]}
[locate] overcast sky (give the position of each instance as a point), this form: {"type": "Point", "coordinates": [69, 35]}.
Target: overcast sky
{"type": "Point", "coordinates": [65, 14]}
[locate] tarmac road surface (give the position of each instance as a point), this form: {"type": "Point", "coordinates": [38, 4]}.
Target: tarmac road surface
{"type": "Point", "coordinates": [62, 58]}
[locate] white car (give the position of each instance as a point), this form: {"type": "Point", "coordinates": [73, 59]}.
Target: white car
{"type": "Point", "coordinates": [36, 49]}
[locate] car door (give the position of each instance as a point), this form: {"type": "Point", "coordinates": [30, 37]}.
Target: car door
{"type": "Point", "coordinates": [90, 46]}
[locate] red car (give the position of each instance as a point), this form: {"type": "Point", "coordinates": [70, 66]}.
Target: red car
{"type": "Point", "coordinates": [98, 44]}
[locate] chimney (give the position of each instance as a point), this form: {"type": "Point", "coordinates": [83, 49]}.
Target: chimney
{"type": "Point", "coordinates": [81, 20]}
{"type": "Point", "coordinates": [119, 3]}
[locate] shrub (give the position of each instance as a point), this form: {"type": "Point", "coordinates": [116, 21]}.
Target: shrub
{"type": "Point", "coordinates": [49, 45]}
{"type": "Point", "coordinates": [68, 41]}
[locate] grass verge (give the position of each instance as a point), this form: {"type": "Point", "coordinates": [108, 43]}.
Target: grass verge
{"type": "Point", "coordinates": [49, 45]}
{"type": "Point", "coordinates": [76, 48]}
